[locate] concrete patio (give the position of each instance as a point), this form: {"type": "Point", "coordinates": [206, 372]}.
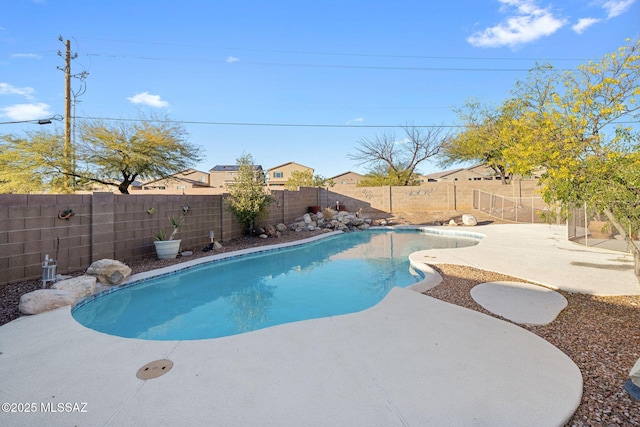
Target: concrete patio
{"type": "Point", "coordinates": [410, 360]}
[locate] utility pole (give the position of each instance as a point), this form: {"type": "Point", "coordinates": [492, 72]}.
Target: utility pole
{"type": "Point", "coordinates": [68, 153]}
{"type": "Point", "coordinates": [67, 116]}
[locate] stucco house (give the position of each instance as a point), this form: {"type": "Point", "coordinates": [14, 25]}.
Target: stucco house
{"type": "Point", "coordinates": [348, 178]}
{"type": "Point", "coordinates": [474, 173]}
{"type": "Point", "coordinates": [189, 178]}
{"type": "Point", "coordinates": [221, 176]}
{"type": "Point", "coordinates": [278, 175]}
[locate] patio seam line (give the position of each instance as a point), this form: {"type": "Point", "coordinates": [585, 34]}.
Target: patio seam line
{"type": "Point", "coordinates": [357, 352]}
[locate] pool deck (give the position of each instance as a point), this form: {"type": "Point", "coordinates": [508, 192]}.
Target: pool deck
{"type": "Point", "coordinates": [409, 361]}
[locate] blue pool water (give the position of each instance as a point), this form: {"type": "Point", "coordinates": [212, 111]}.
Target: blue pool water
{"type": "Point", "coordinates": [337, 275]}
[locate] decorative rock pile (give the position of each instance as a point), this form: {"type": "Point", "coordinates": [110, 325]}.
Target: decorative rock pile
{"type": "Point", "coordinates": [101, 275]}
{"type": "Point", "coordinates": [335, 221]}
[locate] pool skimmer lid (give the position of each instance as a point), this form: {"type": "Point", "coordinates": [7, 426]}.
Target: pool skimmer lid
{"type": "Point", "coordinates": [154, 369]}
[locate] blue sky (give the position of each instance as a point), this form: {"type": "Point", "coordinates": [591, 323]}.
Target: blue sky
{"type": "Point", "coordinates": [334, 71]}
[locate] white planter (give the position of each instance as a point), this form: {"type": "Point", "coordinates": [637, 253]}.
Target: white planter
{"type": "Point", "coordinates": [167, 249]}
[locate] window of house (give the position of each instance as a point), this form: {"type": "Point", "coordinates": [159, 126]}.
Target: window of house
{"type": "Point", "coordinates": [278, 174]}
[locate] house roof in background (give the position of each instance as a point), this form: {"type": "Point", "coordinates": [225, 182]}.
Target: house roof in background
{"type": "Point", "coordinates": [231, 168]}
{"type": "Point", "coordinates": [290, 163]}
{"type": "Point", "coordinates": [346, 173]}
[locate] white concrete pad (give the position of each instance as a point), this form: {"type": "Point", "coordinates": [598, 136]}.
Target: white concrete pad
{"type": "Point", "coordinates": [519, 302]}
{"type": "Point", "coordinates": [540, 253]}
{"type": "Point", "coordinates": [410, 360]}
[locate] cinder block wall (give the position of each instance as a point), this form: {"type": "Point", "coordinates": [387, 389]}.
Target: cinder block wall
{"type": "Point", "coordinates": [107, 225]}
{"type": "Point", "coordinates": [433, 196]}
{"type": "Point", "coordinates": [116, 226]}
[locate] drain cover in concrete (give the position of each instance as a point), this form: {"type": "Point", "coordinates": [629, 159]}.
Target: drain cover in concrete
{"type": "Point", "coordinates": [154, 369]}
{"type": "Point", "coordinates": [520, 302]}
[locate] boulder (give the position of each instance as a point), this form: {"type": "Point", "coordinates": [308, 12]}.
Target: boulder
{"type": "Point", "coordinates": [307, 218]}
{"type": "Point", "coordinates": [270, 230]}
{"type": "Point", "coordinates": [80, 287]}
{"type": "Point", "coordinates": [43, 300]}
{"type": "Point", "coordinates": [281, 227]}
{"type": "Point", "coordinates": [298, 226]}
{"type": "Point", "coordinates": [470, 220]}
{"type": "Point", "coordinates": [109, 271]}
{"type": "Point", "coordinates": [452, 222]}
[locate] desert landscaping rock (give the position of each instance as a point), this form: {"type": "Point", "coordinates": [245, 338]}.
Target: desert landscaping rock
{"type": "Point", "coordinates": [469, 220]}
{"type": "Point", "coordinates": [81, 287]}
{"type": "Point", "coordinates": [42, 300]}
{"type": "Point", "coordinates": [109, 271]}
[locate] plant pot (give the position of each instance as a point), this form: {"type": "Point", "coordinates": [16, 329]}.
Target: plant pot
{"type": "Point", "coordinates": [314, 209]}
{"type": "Point", "coordinates": [600, 230]}
{"type": "Point", "coordinates": [167, 249]}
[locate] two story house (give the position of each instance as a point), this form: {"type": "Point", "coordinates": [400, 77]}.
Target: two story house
{"type": "Point", "coordinates": [221, 176]}
{"type": "Point", "coordinates": [278, 175]}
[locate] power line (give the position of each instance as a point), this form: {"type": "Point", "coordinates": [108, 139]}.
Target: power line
{"type": "Point", "coordinates": [316, 125]}
{"type": "Point", "coordinates": [312, 65]}
{"type": "Point", "coordinates": [326, 53]}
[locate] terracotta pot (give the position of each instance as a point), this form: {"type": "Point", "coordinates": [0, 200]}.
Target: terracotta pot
{"type": "Point", "coordinates": [314, 209]}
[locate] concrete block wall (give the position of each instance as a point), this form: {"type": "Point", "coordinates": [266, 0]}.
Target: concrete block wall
{"type": "Point", "coordinates": [30, 228]}
{"type": "Point", "coordinates": [107, 225]}
{"type": "Point", "coordinates": [116, 226]}
{"type": "Point", "coordinates": [434, 196]}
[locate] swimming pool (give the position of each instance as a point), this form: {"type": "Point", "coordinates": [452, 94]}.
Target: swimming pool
{"type": "Point", "coordinates": [341, 274]}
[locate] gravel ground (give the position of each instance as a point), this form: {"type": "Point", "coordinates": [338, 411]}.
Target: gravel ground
{"type": "Point", "coordinates": [600, 334]}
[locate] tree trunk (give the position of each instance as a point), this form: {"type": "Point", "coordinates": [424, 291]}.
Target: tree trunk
{"type": "Point", "coordinates": [124, 187]}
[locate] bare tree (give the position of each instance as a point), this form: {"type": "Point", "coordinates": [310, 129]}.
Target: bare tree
{"type": "Point", "coordinates": [400, 157]}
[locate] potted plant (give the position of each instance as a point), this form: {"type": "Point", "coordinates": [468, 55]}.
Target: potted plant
{"type": "Point", "coordinates": [168, 248]}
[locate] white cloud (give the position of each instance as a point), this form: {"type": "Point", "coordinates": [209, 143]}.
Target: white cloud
{"type": "Point", "coordinates": [356, 120]}
{"type": "Point", "coordinates": [26, 55]}
{"type": "Point", "coordinates": [617, 7]}
{"type": "Point", "coordinates": [7, 89]}
{"type": "Point", "coordinates": [232, 59]}
{"type": "Point", "coordinates": [146, 98]}
{"type": "Point", "coordinates": [21, 112]}
{"type": "Point", "coordinates": [526, 24]}
{"type": "Point", "coordinates": [583, 24]}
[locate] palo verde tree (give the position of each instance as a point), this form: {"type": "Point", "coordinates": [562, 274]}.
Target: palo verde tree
{"type": "Point", "coordinates": [577, 126]}
{"type": "Point", "coordinates": [108, 153]}
{"type": "Point", "coordinates": [307, 179]}
{"type": "Point", "coordinates": [487, 133]}
{"type": "Point", "coordinates": [118, 153]}
{"type": "Point", "coordinates": [249, 197]}
{"type": "Point", "coordinates": [398, 159]}
{"type": "Point", "coordinates": [30, 164]}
